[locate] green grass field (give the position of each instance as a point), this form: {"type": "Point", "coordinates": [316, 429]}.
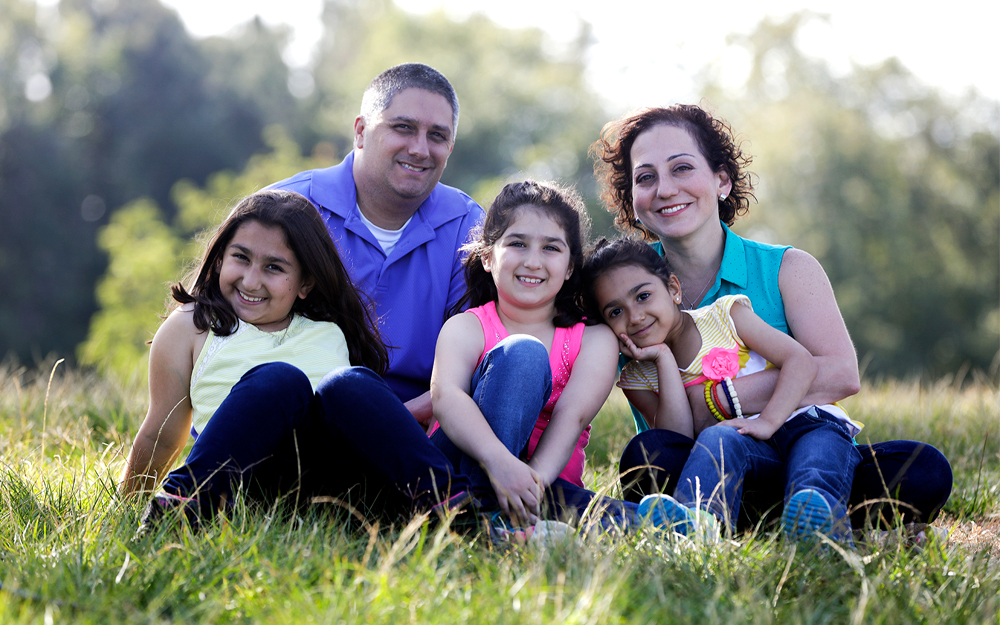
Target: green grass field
{"type": "Point", "coordinates": [67, 552]}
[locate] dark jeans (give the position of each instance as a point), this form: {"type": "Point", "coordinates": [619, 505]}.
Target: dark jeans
{"type": "Point", "coordinates": [511, 386]}
{"type": "Point", "coordinates": [895, 481]}
{"type": "Point", "coordinates": [352, 439]}
{"type": "Point", "coordinates": [812, 450]}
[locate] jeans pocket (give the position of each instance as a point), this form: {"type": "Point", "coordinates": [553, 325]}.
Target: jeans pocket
{"type": "Point", "coordinates": [818, 416]}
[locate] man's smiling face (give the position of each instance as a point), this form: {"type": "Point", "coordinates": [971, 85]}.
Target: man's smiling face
{"type": "Point", "coordinates": [404, 149]}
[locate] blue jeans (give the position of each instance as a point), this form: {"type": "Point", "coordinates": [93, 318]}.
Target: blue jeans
{"type": "Point", "coordinates": [511, 386]}
{"type": "Point", "coordinates": [915, 475]}
{"type": "Point", "coordinates": [277, 437]}
{"type": "Point", "coordinates": [813, 450]}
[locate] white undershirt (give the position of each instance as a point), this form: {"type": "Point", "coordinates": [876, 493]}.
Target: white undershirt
{"type": "Point", "coordinates": [386, 238]}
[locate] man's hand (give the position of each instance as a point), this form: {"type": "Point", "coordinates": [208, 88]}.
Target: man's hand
{"type": "Point", "coordinates": [422, 410]}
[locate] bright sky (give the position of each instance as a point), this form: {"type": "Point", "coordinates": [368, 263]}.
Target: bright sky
{"type": "Point", "coordinates": [645, 51]}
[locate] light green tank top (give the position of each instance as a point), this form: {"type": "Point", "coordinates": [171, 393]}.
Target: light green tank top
{"type": "Point", "coordinates": [315, 347]}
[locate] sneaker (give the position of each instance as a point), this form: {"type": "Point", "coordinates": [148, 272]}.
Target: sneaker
{"type": "Point", "coordinates": [806, 513]}
{"type": "Point", "coordinates": [543, 533]}
{"type": "Point", "coordinates": [163, 505]}
{"type": "Point", "coordinates": [667, 514]}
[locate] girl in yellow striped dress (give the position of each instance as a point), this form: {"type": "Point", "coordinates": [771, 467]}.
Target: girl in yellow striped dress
{"type": "Point", "coordinates": [683, 356]}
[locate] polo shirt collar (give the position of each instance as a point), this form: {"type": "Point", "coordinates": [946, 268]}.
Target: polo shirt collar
{"type": "Point", "coordinates": [734, 260]}
{"type": "Point", "coordinates": [334, 189]}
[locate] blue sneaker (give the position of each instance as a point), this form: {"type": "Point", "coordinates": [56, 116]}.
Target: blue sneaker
{"type": "Point", "coordinates": [667, 514]}
{"type": "Point", "coordinates": [806, 513]}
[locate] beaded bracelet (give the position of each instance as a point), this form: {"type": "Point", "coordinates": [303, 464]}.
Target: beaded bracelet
{"type": "Point", "coordinates": [729, 398]}
{"type": "Point", "coordinates": [737, 409]}
{"type": "Point", "coordinates": [718, 400]}
{"type": "Point", "coordinates": [708, 401]}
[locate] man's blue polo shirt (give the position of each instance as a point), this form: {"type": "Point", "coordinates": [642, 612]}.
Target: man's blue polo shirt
{"type": "Point", "coordinates": [421, 279]}
{"type": "Point", "coordinates": [748, 268]}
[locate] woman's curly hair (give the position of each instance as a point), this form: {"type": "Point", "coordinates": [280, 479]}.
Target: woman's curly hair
{"type": "Point", "coordinates": [612, 155]}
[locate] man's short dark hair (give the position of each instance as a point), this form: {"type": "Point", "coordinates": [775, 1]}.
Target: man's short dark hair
{"type": "Point", "coordinates": [384, 87]}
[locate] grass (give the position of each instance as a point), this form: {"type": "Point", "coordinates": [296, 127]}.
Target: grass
{"type": "Point", "coordinates": [68, 553]}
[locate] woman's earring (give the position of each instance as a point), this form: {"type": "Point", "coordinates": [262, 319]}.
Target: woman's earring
{"type": "Point", "coordinates": [722, 197]}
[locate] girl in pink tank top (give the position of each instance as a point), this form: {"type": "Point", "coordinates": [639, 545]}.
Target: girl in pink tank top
{"type": "Point", "coordinates": [519, 376]}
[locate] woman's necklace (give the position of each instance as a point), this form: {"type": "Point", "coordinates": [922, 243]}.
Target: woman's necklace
{"type": "Point", "coordinates": [691, 304]}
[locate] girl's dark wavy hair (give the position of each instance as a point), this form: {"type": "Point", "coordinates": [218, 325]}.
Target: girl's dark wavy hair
{"type": "Point", "coordinates": [607, 256]}
{"type": "Point", "coordinates": [562, 204]}
{"type": "Point", "coordinates": [333, 296]}
{"type": "Point", "coordinates": [612, 155]}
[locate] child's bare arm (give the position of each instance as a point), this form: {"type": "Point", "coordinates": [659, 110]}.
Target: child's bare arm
{"type": "Point", "coordinates": [587, 389]}
{"type": "Point", "coordinates": [165, 429]}
{"type": "Point", "coordinates": [797, 371]}
{"type": "Point", "coordinates": [670, 410]}
{"type": "Point", "coordinates": [455, 359]}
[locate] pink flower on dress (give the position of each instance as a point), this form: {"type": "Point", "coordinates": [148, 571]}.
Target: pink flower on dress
{"type": "Point", "coordinates": [721, 363]}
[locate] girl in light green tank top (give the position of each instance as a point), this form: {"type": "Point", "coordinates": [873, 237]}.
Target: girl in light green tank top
{"type": "Point", "coordinates": [271, 272]}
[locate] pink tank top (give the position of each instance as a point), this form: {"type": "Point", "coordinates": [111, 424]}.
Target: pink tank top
{"type": "Point", "coordinates": [565, 348]}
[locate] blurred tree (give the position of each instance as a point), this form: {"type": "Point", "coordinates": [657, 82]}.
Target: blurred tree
{"type": "Point", "coordinates": [102, 103]}
{"type": "Point", "coordinates": [148, 253]}
{"type": "Point", "coordinates": [893, 189]}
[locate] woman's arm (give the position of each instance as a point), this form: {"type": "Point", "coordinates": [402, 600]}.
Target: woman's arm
{"type": "Point", "coordinates": [669, 409]}
{"type": "Point", "coordinates": [796, 365]}
{"type": "Point", "coordinates": [455, 359]}
{"type": "Point", "coordinates": [167, 425]}
{"type": "Point", "coordinates": [814, 320]}
{"type": "Point", "coordinates": [587, 389]}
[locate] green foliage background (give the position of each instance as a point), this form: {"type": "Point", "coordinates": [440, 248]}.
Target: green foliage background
{"type": "Point", "coordinates": [147, 136]}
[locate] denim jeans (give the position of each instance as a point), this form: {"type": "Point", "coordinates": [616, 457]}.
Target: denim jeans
{"type": "Point", "coordinates": [894, 482]}
{"type": "Point", "coordinates": [813, 450]}
{"type": "Point", "coordinates": [352, 437]}
{"type": "Point", "coordinates": [511, 386]}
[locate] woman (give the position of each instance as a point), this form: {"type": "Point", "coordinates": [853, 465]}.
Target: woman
{"type": "Point", "coordinates": [675, 176]}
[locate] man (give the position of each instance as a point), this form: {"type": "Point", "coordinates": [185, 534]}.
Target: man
{"type": "Point", "coordinates": [396, 227]}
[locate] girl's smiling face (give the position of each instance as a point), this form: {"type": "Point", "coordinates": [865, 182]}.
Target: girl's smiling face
{"type": "Point", "coordinates": [530, 261]}
{"type": "Point", "coordinates": [260, 276]}
{"type": "Point", "coordinates": [637, 303]}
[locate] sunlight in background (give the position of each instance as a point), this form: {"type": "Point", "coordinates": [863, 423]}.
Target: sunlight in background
{"type": "Point", "coordinates": [648, 52]}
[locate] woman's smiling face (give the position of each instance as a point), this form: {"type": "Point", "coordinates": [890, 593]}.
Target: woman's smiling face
{"type": "Point", "coordinates": [674, 190]}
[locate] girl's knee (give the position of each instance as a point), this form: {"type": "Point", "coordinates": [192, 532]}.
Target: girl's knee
{"type": "Point", "coordinates": [348, 382]}
{"type": "Point", "coordinates": [277, 377]}
{"type": "Point", "coordinates": [717, 440]}
{"type": "Point", "coordinates": [520, 350]}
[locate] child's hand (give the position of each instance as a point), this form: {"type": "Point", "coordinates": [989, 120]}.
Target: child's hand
{"type": "Point", "coordinates": [518, 488]}
{"type": "Point", "coordinates": [756, 428]}
{"type": "Point", "coordinates": [633, 351]}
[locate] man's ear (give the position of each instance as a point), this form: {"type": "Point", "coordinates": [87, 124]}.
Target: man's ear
{"type": "Point", "coordinates": [359, 132]}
